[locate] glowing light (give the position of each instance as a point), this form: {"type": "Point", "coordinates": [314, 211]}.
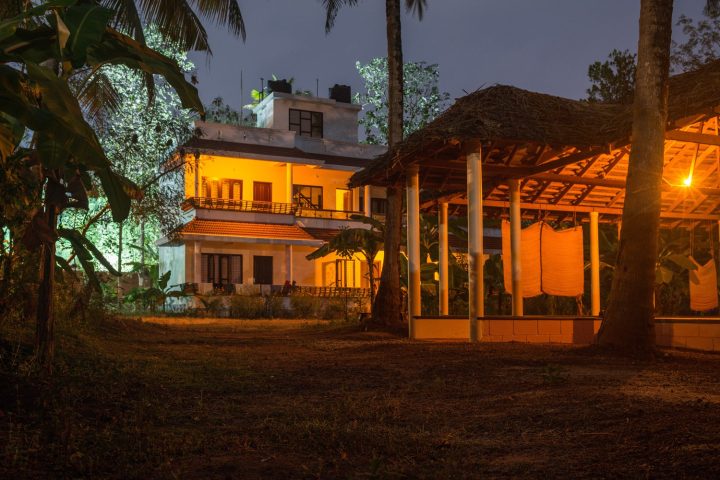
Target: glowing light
{"type": "Point", "coordinates": [688, 181]}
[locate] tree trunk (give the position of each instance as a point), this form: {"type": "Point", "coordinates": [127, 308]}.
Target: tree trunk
{"type": "Point", "coordinates": [45, 314]}
{"type": "Point", "coordinates": [388, 302]}
{"type": "Point", "coordinates": [141, 275]}
{"type": "Point", "coordinates": [628, 323]}
{"type": "Point", "coordinates": [119, 263]}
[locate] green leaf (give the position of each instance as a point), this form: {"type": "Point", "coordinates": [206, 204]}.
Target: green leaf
{"type": "Point", "coordinates": [116, 194]}
{"type": "Point", "coordinates": [119, 49]}
{"type": "Point", "coordinates": [82, 244]}
{"type": "Point", "coordinates": [682, 261]}
{"type": "Point", "coordinates": [11, 133]}
{"type": "Point", "coordinates": [163, 281]}
{"type": "Point", "coordinates": [9, 25]}
{"type": "Point", "coordinates": [663, 275]}
{"type": "Point", "coordinates": [87, 24]}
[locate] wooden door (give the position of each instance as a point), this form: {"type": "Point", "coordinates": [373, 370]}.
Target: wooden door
{"type": "Point", "coordinates": [262, 191]}
{"type": "Point", "coordinates": [263, 269]}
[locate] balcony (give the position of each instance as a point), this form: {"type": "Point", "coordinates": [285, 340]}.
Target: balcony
{"type": "Point", "coordinates": [253, 206]}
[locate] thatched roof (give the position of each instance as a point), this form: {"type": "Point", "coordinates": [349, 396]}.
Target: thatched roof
{"type": "Point", "coordinates": [538, 128]}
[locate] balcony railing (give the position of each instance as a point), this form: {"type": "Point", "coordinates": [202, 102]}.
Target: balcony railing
{"type": "Point", "coordinates": [266, 207]}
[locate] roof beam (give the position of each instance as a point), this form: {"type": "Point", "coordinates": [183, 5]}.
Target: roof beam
{"type": "Point", "coordinates": [692, 137]}
{"type": "Point", "coordinates": [585, 209]}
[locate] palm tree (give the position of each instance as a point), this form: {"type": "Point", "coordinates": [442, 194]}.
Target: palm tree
{"type": "Point", "coordinates": [177, 20]}
{"type": "Point", "coordinates": [628, 322]}
{"type": "Point", "coordinates": [367, 242]}
{"type": "Point", "coordinates": [387, 308]}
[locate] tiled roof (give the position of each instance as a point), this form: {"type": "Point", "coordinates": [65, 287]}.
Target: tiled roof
{"type": "Point", "coordinates": [324, 234]}
{"type": "Point", "coordinates": [245, 229]}
{"type": "Point", "coordinates": [271, 150]}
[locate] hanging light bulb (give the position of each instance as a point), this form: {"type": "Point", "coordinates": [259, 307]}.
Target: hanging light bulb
{"type": "Point", "coordinates": [688, 181]}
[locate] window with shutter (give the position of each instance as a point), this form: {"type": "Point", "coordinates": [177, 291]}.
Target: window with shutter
{"type": "Point", "coordinates": [263, 269]}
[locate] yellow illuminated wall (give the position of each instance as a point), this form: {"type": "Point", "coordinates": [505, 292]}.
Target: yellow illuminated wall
{"type": "Point", "coordinates": [249, 171]}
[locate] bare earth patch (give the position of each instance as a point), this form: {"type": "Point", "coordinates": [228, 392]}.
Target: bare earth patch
{"type": "Point", "coordinates": [234, 400]}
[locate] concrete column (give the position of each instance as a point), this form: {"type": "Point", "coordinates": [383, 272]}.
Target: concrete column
{"type": "Point", "coordinates": [476, 304]}
{"type": "Point", "coordinates": [197, 265]}
{"type": "Point", "coordinates": [356, 199]}
{"type": "Point", "coordinates": [197, 177]}
{"type": "Point", "coordinates": [516, 248]}
{"type": "Point", "coordinates": [594, 264]}
{"type": "Point", "coordinates": [444, 252]}
{"type": "Point", "coordinates": [289, 263]}
{"type": "Point", "coordinates": [412, 188]}
{"type": "Point", "coordinates": [289, 182]}
{"type": "Point", "coordinates": [367, 208]}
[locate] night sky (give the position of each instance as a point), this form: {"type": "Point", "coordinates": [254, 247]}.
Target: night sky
{"type": "Point", "coordinates": [544, 46]}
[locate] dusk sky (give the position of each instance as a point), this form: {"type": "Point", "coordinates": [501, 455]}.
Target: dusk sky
{"type": "Point", "coordinates": [544, 46]}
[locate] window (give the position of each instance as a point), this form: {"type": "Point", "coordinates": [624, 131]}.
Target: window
{"type": "Point", "coordinates": [309, 196]}
{"type": "Point", "coordinates": [262, 191]}
{"type": "Point", "coordinates": [306, 124]}
{"type": "Point", "coordinates": [223, 269]}
{"type": "Point", "coordinates": [344, 273]}
{"type": "Point", "coordinates": [378, 205]}
{"type": "Point", "coordinates": [228, 188]}
{"type": "Point", "coordinates": [343, 199]}
{"type": "Point", "coordinates": [263, 269]}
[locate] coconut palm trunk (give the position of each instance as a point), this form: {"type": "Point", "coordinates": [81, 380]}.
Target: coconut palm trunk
{"type": "Point", "coordinates": [628, 322]}
{"type": "Point", "coordinates": [388, 302]}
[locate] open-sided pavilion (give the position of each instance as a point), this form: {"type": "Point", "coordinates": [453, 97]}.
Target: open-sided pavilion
{"type": "Point", "coordinates": [505, 150]}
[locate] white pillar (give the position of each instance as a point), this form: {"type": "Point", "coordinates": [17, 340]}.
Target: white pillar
{"type": "Point", "coordinates": [443, 253]}
{"type": "Point", "coordinates": [619, 229]}
{"type": "Point", "coordinates": [476, 304]}
{"type": "Point", "coordinates": [412, 186]}
{"type": "Point", "coordinates": [594, 264]}
{"type": "Point", "coordinates": [289, 182]}
{"type": "Point", "coordinates": [197, 265]}
{"type": "Point", "coordinates": [356, 199]}
{"type": "Point", "coordinates": [367, 209]}
{"type": "Point", "coordinates": [197, 177]}
{"type": "Point", "coordinates": [289, 263]}
{"type": "Point", "coordinates": [516, 248]}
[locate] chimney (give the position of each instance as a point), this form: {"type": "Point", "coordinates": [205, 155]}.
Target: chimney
{"type": "Point", "coordinates": [281, 86]}
{"type": "Point", "coordinates": [341, 93]}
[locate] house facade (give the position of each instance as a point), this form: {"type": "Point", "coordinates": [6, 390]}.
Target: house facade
{"type": "Point", "coordinates": [259, 199]}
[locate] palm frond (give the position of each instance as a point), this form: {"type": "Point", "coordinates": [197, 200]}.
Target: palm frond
{"type": "Point", "coordinates": [712, 8]}
{"type": "Point", "coordinates": [223, 12]}
{"type": "Point", "coordinates": [418, 7]}
{"type": "Point", "coordinates": [177, 22]}
{"type": "Point", "coordinates": [127, 18]}
{"type": "Point", "coordinates": [98, 97]}
{"type": "Point", "coordinates": [332, 7]}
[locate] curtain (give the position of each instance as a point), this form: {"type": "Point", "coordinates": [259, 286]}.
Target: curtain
{"type": "Point", "coordinates": [703, 291]}
{"type": "Point", "coordinates": [551, 262]}
{"type": "Point", "coordinates": [529, 259]}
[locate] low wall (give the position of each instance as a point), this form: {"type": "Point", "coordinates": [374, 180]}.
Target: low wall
{"type": "Point", "coordinates": [697, 333]}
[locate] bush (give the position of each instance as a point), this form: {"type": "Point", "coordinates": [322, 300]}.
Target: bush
{"type": "Point", "coordinates": [247, 307]}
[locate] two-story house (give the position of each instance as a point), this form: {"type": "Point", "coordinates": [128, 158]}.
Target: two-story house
{"type": "Point", "coordinates": [259, 199]}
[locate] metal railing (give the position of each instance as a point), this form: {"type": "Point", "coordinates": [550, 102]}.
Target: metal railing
{"type": "Point", "coordinates": [240, 205]}
{"type": "Point", "coordinates": [266, 207]}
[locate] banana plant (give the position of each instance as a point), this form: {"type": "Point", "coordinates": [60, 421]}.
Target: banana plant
{"type": "Point", "coordinates": [157, 293]}
{"type": "Point", "coordinates": [40, 51]}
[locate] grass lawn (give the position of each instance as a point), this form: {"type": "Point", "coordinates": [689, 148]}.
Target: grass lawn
{"type": "Point", "coordinates": [286, 400]}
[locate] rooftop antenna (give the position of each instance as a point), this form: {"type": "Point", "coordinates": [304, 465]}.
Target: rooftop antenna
{"type": "Point", "coordinates": [317, 87]}
{"type": "Point", "coordinates": [242, 103]}
{"type": "Point", "coordinates": [262, 88]}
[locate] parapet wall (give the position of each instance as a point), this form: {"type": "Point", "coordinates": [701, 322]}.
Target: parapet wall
{"type": "Point", "coordinates": [698, 333]}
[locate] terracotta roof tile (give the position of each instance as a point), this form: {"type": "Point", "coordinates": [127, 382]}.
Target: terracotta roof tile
{"type": "Point", "coordinates": [324, 234]}
{"type": "Point", "coordinates": [245, 229]}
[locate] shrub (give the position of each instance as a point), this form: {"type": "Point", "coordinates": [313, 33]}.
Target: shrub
{"type": "Point", "coordinates": [247, 307]}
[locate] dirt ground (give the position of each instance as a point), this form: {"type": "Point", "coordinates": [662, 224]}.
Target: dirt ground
{"type": "Point", "coordinates": [282, 400]}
